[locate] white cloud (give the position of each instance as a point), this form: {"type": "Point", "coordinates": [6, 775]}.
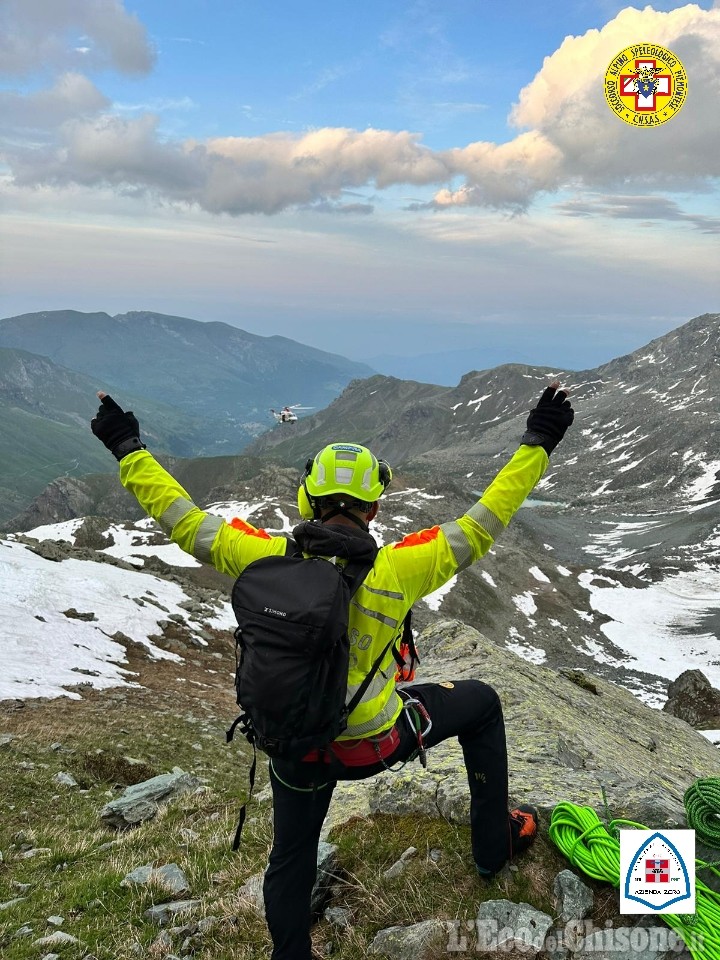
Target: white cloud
{"type": "Point", "coordinates": [72, 95]}
{"type": "Point", "coordinates": [572, 140]}
{"type": "Point", "coordinates": [34, 36]}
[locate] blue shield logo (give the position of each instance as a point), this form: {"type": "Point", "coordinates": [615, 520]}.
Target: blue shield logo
{"type": "Point", "coordinates": [647, 88]}
{"type": "Point", "coordinates": [657, 876]}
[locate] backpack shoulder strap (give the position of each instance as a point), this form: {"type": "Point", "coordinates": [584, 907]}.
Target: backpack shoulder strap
{"type": "Point", "coordinates": [360, 692]}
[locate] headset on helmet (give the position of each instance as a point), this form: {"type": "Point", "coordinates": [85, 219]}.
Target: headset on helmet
{"type": "Point", "coordinates": [345, 468]}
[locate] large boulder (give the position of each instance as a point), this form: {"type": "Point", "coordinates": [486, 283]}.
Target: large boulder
{"type": "Point", "coordinates": [141, 801]}
{"type": "Point", "coordinates": [694, 700]}
{"type": "Point", "coordinates": [570, 735]}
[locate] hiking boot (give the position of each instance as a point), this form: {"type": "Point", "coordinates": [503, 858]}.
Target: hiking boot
{"type": "Point", "coordinates": [523, 828]}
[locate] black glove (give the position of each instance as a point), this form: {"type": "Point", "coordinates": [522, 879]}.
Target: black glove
{"type": "Point", "coordinates": [549, 420]}
{"type": "Point", "coordinates": [118, 429]}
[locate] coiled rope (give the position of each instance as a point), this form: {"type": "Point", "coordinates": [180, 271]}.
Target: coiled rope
{"type": "Point", "coordinates": [584, 840]}
{"type": "Point", "coordinates": [702, 806]}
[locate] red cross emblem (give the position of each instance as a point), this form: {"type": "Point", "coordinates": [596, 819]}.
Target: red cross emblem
{"type": "Point", "coordinates": [644, 90]}
{"type": "Point", "coordinates": [656, 871]}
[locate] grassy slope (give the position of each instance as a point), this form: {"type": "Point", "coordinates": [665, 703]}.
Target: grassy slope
{"type": "Point", "coordinates": [34, 451]}
{"type": "Point", "coordinates": [178, 719]}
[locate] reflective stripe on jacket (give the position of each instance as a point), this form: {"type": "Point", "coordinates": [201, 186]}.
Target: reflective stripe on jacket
{"type": "Point", "coordinates": [403, 572]}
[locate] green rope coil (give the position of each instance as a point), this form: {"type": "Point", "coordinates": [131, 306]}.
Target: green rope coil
{"type": "Point", "coordinates": [584, 840]}
{"type": "Point", "coordinates": [702, 806]}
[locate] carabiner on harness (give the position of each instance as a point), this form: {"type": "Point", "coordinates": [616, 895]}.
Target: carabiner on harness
{"type": "Point", "coordinates": [415, 712]}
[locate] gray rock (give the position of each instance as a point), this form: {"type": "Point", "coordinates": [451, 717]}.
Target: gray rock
{"type": "Point", "coordinates": [163, 942]}
{"type": "Point", "coordinates": [692, 698]}
{"type": "Point", "coordinates": [9, 904]}
{"type": "Point", "coordinates": [630, 943]}
{"type": "Point", "coordinates": [573, 899]}
{"type": "Point", "coordinates": [56, 939]}
{"type": "Point", "coordinates": [140, 876]}
{"type": "Point", "coordinates": [191, 944]}
{"type": "Point", "coordinates": [338, 917]}
{"type": "Point", "coordinates": [409, 943]}
{"type": "Point", "coordinates": [56, 921]}
{"type": "Point", "coordinates": [141, 801]}
{"type": "Point", "coordinates": [644, 777]}
{"type": "Point", "coordinates": [327, 868]}
{"type": "Point", "coordinates": [399, 866]}
{"type": "Point", "coordinates": [327, 874]}
{"type": "Point", "coordinates": [169, 876]}
{"type": "Point", "coordinates": [25, 931]}
{"type": "Point", "coordinates": [251, 892]}
{"type": "Point", "coordinates": [163, 913]}
{"type": "Point", "coordinates": [189, 836]}
{"type": "Point", "coordinates": [65, 779]}
{"type": "Point", "coordinates": [172, 878]}
{"type": "Point", "coordinates": [554, 947]}
{"type": "Point", "coordinates": [503, 925]}
{"type": "Point", "coordinates": [55, 956]}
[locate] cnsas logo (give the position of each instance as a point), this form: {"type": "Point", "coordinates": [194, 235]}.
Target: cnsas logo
{"type": "Point", "coordinates": [645, 85]}
{"type": "Point", "coordinates": [657, 871]}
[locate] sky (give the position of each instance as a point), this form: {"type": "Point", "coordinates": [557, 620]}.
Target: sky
{"type": "Point", "coordinates": [371, 179]}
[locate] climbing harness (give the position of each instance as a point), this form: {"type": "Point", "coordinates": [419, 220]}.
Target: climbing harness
{"type": "Point", "coordinates": [415, 712]}
{"type": "Point", "coordinates": [581, 836]}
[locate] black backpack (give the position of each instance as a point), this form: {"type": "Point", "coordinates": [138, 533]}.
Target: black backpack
{"type": "Point", "coordinates": [293, 653]}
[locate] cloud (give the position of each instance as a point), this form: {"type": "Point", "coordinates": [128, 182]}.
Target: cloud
{"type": "Point", "coordinates": [644, 208]}
{"type": "Point", "coordinates": [72, 95]}
{"type": "Point", "coordinates": [567, 139]}
{"type": "Point", "coordinates": [34, 37]}
{"type": "Point", "coordinates": [324, 206]}
{"type": "Point", "coordinates": [573, 138]}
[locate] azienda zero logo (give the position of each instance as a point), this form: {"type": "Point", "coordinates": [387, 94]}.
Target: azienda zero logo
{"type": "Point", "coordinates": [657, 871]}
{"type": "Point", "coordinates": [645, 85]}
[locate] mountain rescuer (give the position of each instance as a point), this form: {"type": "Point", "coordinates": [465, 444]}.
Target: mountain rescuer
{"type": "Point", "coordinates": [338, 498]}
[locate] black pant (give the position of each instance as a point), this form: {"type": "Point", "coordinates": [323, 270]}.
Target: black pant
{"type": "Point", "coordinates": [469, 710]}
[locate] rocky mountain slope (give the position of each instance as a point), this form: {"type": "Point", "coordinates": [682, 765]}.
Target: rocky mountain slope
{"type": "Point", "coordinates": [612, 564]}
{"type": "Point", "coordinates": [644, 432]}
{"type": "Point", "coordinates": [209, 370]}
{"type": "Point", "coordinates": [73, 883]}
{"type": "Point", "coordinates": [45, 410]}
{"type": "Point", "coordinates": [201, 389]}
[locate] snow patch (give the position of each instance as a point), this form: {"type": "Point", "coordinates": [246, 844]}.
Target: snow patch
{"type": "Point", "coordinates": [434, 599]}
{"type": "Point", "coordinates": [525, 602]}
{"type": "Point", "coordinates": [660, 626]}
{"type": "Point", "coordinates": [524, 649]}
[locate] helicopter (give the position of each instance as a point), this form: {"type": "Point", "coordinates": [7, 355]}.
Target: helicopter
{"type": "Point", "coordinates": [287, 414]}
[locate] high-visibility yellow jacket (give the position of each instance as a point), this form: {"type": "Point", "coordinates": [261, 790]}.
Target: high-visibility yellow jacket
{"type": "Point", "coordinates": [403, 572]}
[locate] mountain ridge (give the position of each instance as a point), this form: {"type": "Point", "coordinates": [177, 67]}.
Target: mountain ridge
{"type": "Point", "coordinates": [55, 361]}
{"type": "Point", "coordinates": [236, 376]}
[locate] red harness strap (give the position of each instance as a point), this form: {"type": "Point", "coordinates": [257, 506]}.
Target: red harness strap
{"type": "Point", "coordinates": [358, 753]}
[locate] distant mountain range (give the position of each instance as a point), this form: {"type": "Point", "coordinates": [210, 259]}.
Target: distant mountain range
{"type": "Point", "coordinates": [200, 389]}
{"type": "Point", "coordinates": [645, 433]}
{"type": "Point", "coordinates": [613, 565]}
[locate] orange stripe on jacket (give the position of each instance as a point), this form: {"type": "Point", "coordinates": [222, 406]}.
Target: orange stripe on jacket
{"type": "Point", "coordinates": [248, 528]}
{"type": "Point", "coordinates": [415, 539]}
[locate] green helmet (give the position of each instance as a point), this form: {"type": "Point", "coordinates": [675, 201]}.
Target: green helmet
{"type": "Point", "coordinates": [342, 468]}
